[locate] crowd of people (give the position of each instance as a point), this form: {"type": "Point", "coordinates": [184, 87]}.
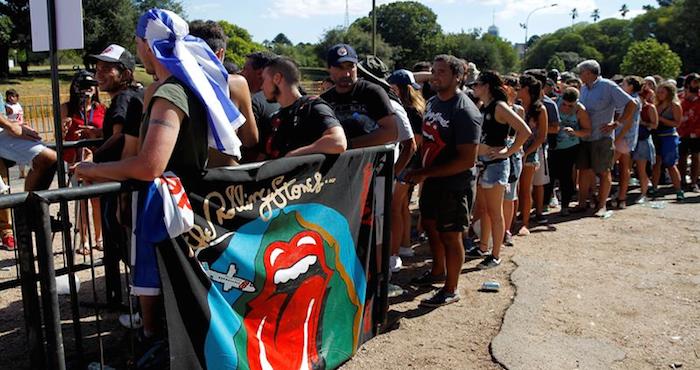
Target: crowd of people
{"type": "Point", "coordinates": [488, 154]}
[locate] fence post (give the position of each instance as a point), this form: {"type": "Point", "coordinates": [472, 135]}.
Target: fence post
{"type": "Point", "coordinates": [388, 173]}
{"type": "Point", "coordinates": [49, 297]}
{"type": "Point", "coordinates": [28, 280]}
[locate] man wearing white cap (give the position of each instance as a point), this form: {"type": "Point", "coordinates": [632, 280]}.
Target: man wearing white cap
{"type": "Point", "coordinates": [176, 131]}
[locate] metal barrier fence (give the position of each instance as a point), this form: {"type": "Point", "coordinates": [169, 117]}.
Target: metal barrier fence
{"type": "Point", "coordinates": [47, 341]}
{"type": "Point", "coordinates": [38, 111]}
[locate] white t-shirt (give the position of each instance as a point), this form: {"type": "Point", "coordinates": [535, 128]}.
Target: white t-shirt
{"type": "Point", "coordinates": [17, 112]}
{"type": "Point", "coordinates": [403, 124]}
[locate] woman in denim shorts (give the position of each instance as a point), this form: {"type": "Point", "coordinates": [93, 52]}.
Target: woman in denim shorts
{"type": "Point", "coordinates": [499, 118]}
{"type": "Point", "coordinates": [536, 118]}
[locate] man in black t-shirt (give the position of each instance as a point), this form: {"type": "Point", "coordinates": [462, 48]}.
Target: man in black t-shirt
{"type": "Point", "coordinates": [262, 108]}
{"type": "Point", "coordinates": [363, 108]}
{"type": "Point", "coordinates": [115, 75]}
{"type": "Point", "coordinates": [451, 132]}
{"type": "Point", "coordinates": [304, 124]}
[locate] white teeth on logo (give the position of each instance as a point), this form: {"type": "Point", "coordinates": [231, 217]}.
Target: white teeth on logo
{"type": "Point", "coordinates": [284, 275]}
{"type": "Point", "coordinates": [306, 240]}
{"type": "Point", "coordinates": [273, 256]}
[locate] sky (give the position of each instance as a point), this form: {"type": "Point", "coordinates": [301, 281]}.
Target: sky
{"type": "Point", "coordinates": [306, 20]}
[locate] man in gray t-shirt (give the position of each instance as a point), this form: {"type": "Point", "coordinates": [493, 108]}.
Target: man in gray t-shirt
{"type": "Point", "coordinates": [601, 97]}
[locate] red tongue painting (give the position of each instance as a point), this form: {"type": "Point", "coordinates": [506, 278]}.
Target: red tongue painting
{"type": "Point", "coordinates": [284, 318]}
{"type": "Point", "coordinates": [432, 148]}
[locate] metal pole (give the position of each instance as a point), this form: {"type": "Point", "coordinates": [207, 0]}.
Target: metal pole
{"type": "Point", "coordinates": [49, 297]}
{"type": "Point", "coordinates": [61, 174]}
{"type": "Point", "coordinates": [388, 173]}
{"type": "Point", "coordinates": [30, 297]}
{"type": "Point", "coordinates": [527, 21]}
{"type": "Point", "coordinates": [374, 27]}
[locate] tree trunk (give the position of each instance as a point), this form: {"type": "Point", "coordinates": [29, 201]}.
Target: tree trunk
{"type": "Point", "coordinates": [4, 56]}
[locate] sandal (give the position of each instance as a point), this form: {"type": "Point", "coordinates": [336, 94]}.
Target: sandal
{"type": "Point", "coordinates": [84, 250]}
{"type": "Point", "coordinates": [99, 246]}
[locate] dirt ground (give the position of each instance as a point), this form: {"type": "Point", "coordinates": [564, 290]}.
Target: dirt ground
{"type": "Point", "coordinates": [588, 293]}
{"type": "Point", "coordinates": [583, 292]}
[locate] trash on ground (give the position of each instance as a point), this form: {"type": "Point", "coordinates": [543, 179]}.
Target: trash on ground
{"type": "Point", "coordinates": [490, 286]}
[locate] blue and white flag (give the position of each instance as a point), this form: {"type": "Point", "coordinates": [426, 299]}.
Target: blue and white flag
{"type": "Point", "coordinates": [193, 62]}
{"type": "Point", "coordinates": [160, 212]}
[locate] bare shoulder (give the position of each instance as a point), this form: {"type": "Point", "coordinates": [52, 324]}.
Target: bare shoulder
{"type": "Point", "coordinates": [238, 89]}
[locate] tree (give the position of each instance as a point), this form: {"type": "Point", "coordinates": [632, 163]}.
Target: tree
{"type": "Point", "coordinates": [648, 57]}
{"type": "Point", "coordinates": [409, 25]}
{"type": "Point", "coordinates": [173, 5]}
{"type": "Point", "coordinates": [624, 10]}
{"type": "Point", "coordinates": [595, 15]}
{"type": "Point", "coordinates": [359, 39]}
{"type": "Point", "coordinates": [555, 62]}
{"type": "Point", "coordinates": [108, 22]}
{"type": "Point", "coordinates": [281, 39]}
{"type": "Point", "coordinates": [20, 36]}
{"type": "Point", "coordinates": [574, 15]}
{"type": "Point", "coordinates": [239, 43]}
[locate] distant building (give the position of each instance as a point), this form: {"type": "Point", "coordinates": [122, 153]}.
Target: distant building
{"type": "Point", "coordinates": [520, 49]}
{"type": "Point", "coordinates": [493, 30]}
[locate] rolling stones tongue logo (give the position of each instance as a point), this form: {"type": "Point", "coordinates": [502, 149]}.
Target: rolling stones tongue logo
{"type": "Point", "coordinates": [432, 147]}
{"type": "Point", "coordinates": [284, 318]}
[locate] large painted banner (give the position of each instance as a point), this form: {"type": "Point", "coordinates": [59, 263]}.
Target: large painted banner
{"type": "Point", "coordinates": [279, 271]}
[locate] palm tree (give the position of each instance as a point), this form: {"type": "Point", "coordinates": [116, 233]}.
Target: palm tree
{"type": "Point", "coordinates": [595, 15]}
{"type": "Point", "coordinates": [624, 10]}
{"type": "Point", "coordinates": [574, 15]}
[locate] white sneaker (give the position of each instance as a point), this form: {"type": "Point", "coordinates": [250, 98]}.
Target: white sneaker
{"type": "Point", "coordinates": [641, 200]}
{"type": "Point", "coordinates": [131, 321]}
{"type": "Point", "coordinates": [406, 252]}
{"type": "Point", "coordinates": [395, 263]}
{"type": "Point", "coordinates": [4, 189]}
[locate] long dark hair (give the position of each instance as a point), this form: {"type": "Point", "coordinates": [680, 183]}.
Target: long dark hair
{"type": "Point", "coordinates": [534, 88]}
{"type": "Point", "coordinates": [76, 97]}
{"type": "Point", "coordinates": [495, 82]}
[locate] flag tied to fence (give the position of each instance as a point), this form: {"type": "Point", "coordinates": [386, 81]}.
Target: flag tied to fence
{"type": "Point", "coordinates": [276, 271]}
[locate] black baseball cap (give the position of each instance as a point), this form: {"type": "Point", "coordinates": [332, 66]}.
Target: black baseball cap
{"type": "Point", "coordinates": [115, 54]}
{"type": "Point", "coordinates": [341, 53]}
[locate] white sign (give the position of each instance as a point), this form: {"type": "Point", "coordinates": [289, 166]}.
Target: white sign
{"type": "Point", "coordinates": [69, 24]}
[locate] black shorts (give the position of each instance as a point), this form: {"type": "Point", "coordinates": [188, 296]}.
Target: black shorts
{"type": "Point", "coordinates": [449, 209]}
{"type": "Point", "coordinates": [689, 145]}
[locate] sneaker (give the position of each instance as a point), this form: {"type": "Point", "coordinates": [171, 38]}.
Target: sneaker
{"type": "Point", "coordinates": [428, 279]}
{"type": "Point", "coordinates": [641, 200]}
{"type": "Point", "coordinates": [680, 196]}
{"type": "Point", "coordinates": [489, 262]}
{"type": "Point", "coordinates": [4, 189]}
{"type": "Point", "coordinates": [131, 321]}
{"type": "Point", "coordinates": [395, 263]}
{"type": "Point", "coordinates": [475, 253]}
{"type": "Point", "coordinates": [564, 211]}
{"type": "Point", "coordinates": [9, 242]}
{"type": "Point", "coordinates": [652, 193]}
{"type": "Point", "coordinates": [601, 212]}
{"type": "Point", "coordinates": [554, 202]}
{"type": "Point", "coordinates": [406, 252]}
{"type": "Point", "coordinates": [440, 298]}
{"type": "Point", "coordinates": [508, 239]}
{"type": "Point", "coordinates": [395, 291]}
{"type": "Point", "coordinates": [541, 219]}
{"type": "Point", "coordinates": [695, 189]}
{"type": "Point", "coordinates": [152, 353]}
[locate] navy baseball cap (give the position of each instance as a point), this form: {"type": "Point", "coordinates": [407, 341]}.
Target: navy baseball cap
{"type": "Point", "coordinates": [403, 77]}
{"type": "Point", "coordinates": [341, 53]}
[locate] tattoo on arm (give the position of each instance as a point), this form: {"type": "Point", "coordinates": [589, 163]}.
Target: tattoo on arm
{"type": "Point", "coordinates": [161, 122]}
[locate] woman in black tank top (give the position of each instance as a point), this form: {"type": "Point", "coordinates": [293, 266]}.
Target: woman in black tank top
{"type": "Point", "coordinates": [499, 118]}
